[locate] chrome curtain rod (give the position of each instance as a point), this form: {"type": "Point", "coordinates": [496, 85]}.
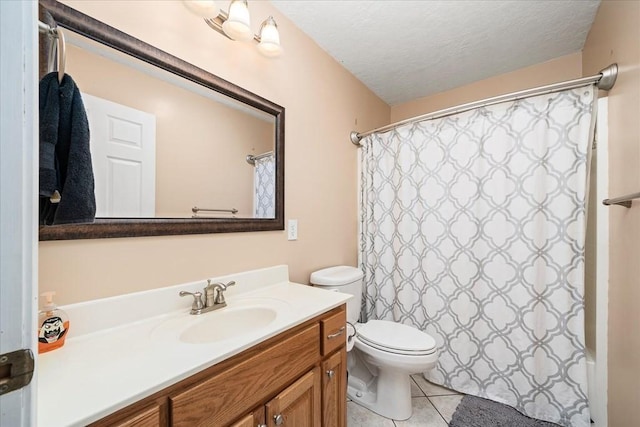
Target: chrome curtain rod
{"type": "Point", "coordinates": [622, 201]}
{"type": "Point", "coordinates": [251, 159]}
{"type": "Point", "coordinates": [57, 34]}
{"type": "Point", "coordinates": [603, 80]}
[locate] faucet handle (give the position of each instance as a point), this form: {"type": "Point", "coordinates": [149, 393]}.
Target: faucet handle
{"type": "Point", "coordinates": [231, 283]}
{"type": "Point", "coordinates": [197, 300]}
{"type": "Point", "coordinates": [221, 288]}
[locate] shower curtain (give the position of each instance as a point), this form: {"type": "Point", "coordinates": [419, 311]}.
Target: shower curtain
{"type": "Point", "coordinates": [264, 185]}
{"type": "Point", "coordinates": [473, 230]}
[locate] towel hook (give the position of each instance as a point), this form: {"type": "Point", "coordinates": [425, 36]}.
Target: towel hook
{"type": "Point", "coordinates": [62, 53]}
{"type": "Point", "coordinates": [58, 49]}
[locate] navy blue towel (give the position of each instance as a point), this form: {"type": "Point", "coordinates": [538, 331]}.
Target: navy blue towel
{"type": "Point", "coordinates": [65, 156]}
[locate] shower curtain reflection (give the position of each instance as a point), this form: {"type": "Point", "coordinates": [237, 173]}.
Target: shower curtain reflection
{"type": "Point", "coordinates": [264, 178]}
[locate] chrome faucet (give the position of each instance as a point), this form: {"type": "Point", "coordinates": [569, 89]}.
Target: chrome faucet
{"type": "Point", "coordinates": [213, 297]}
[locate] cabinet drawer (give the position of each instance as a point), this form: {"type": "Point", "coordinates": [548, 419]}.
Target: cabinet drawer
{"type": "Point", "coordinates": [334, 332]}
{"type": "Point", "coordinates": [218, 400]}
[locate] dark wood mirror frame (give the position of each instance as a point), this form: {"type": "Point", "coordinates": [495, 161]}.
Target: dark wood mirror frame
{"type": "Point", "coordinates": [69, 18]}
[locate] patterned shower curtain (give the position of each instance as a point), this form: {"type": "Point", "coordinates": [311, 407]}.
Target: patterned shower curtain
{"type": "Point", "coordinates": [473, 230]}
{"type": "Point", "coordinates": [264, 184]}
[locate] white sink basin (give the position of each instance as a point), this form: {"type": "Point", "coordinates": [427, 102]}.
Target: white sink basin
{"type": "Point", "coordinates": [225, 324]}
{"type": "Point", "coordinates": [239, 318]}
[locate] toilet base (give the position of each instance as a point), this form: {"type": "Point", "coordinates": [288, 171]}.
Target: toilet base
{"type": "Point", "coordinates": [388, 394]}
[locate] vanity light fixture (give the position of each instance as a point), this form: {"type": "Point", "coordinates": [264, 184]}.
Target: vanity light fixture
{"type": "Point", "coordinates": [269, 38]}
{"type": "Point", "coordinates": [202, 8]}
{"type": "Point", "coordinates": [236, 24]}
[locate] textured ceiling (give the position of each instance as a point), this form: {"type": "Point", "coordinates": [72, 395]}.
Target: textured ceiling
{"type": "Point", "coordinates": [403, 50]}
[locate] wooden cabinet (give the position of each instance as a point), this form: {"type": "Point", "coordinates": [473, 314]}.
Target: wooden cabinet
{"type": "Point", "coordinates": [219, 400]}
{"type": "Point", "coordinates": [334, 390]}
{"type": "Point", "coordinates": [247, 421]}
{"type": "Point", "coordinates": [150, 417]}
{"type": "Point", "coordinates": [253, 419]}
{"type": "Point", "coordinates": [296, 379]}
{"type": "Point", "coordinates": [333, 329]}
{"type": "Point", "coordinates": [298, 405]}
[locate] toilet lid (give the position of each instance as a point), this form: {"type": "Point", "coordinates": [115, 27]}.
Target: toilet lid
{"type": "Point", "coordinates": [396, 337]}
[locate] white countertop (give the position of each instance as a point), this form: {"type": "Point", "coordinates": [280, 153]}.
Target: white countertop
{"type": "Point", "coordinates": [122, 352]}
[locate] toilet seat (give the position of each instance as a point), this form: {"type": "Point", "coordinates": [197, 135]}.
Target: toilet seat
{"type": "Point", "coordinates": [396, 338]}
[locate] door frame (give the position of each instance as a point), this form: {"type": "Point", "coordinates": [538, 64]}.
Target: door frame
{"type": "Point", "coordinates": [18, 196]}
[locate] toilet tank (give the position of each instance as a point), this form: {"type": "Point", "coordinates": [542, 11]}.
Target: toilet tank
{"type": "Point", "coordinates": [343, 279]}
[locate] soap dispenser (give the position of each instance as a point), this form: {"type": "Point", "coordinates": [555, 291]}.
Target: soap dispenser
{"type": "Point", "coordinates": [53, 325]}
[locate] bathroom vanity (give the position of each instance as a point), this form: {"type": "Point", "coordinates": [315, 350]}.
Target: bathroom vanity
{"type": "Point", "coordinates": [274, 356]}
{"type": "Point", "coordinates": [296, 378]}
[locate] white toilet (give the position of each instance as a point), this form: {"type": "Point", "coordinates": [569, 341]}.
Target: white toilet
{"type": "Point", "coordinates": [385, 353]}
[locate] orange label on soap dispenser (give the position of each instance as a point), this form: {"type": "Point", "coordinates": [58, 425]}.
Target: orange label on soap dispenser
{"type": "Point", "coordinates": [51, 334]}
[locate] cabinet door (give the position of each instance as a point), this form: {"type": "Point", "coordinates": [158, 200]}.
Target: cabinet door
{"type": "Point", "coordinates": [334, 390]}
{"type": "Point", "coordinates": [298, 405]}
{"type": "Point", "coordinates": [254, 419]}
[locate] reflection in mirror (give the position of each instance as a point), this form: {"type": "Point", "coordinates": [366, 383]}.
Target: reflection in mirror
{"type": "Point", "coordinates": [166, 147]}
{"type": "Point", "coordinates": [176, 149]}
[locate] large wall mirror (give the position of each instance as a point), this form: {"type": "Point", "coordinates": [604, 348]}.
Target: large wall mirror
{"type": "Point", "coordinates": [175, 149]}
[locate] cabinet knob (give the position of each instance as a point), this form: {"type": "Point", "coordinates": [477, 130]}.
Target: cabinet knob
{"type": "Point", "coordinates": [278, 419]}
{"type": "Point", "coordinates": [331, 373]}
{"type": "Point", "coordinates": [262, 425]}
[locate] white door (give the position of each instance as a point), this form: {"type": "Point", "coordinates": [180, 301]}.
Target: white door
{"type": "Point", "coordinates": [18, 199]}
{"type": "Point", "coordinates": [123, 150]}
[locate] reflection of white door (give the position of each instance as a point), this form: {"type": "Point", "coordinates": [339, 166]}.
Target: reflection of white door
{"type": "Point", "coordinates": [123, 149]}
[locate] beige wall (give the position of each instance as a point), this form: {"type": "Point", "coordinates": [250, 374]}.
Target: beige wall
{"type": "Point", "coordinates": [201, 144]}
{"type": "Point", "coordinates": [559, 69]}
{"type": "Point", "coordinates": [615, 37]}
{"type": "Point", "coordinates": [323, 104]}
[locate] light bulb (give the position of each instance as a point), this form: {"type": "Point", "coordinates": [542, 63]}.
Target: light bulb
{"type": "Point", "coordinates": [269, 39]}
{"type": "Point", "coordinates": [238, 24]}
{"type": "Point", "coordinates": [202, 8]}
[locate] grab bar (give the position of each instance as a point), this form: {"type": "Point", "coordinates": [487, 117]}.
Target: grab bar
{"type": "Point", "coordinates": [196, 209]}
{"type": "Point", "coordinates": [622, 201]}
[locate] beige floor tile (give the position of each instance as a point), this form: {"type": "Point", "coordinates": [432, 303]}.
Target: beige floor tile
{"type": "Point", "coordinates": [431, 389]}
{"type": "Point", "coordinates": [415, 390]}
{"type": "Point", "coordinates": [446, 405]}
{"type": "Point", "coordinates": [424, 415]}
{"type": "Point", "coordinates": [357, 416]}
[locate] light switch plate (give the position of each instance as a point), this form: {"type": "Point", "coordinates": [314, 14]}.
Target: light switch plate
{"type": "Point", "coordinates": [292, 229]}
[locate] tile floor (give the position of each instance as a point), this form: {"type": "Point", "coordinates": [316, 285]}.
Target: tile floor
{"type": "Point", "coordinates": [433, 406]}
